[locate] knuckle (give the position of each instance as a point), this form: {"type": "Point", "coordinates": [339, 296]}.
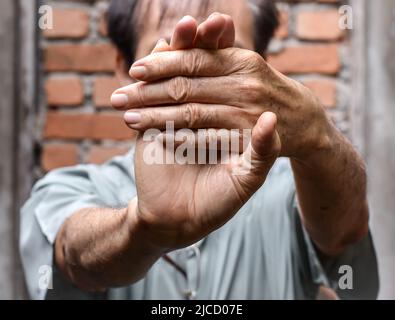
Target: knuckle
{"type": "Point", "coordinates": [252, 89]}
{"type": "Point", "coordinates": [253, 60]}
{"type": "Point", "coordinates": [256, 57]}
{"type": "Point", "coordinates": [234, 58]}
{"type": "Point", "coordinates": [179, 89]}
{"type": "Point", "coordinates": [190, 114]}
{"type": "Point", "coordinates": [192, 62]}
{"type": "Point", "coordinates": [252, 56]}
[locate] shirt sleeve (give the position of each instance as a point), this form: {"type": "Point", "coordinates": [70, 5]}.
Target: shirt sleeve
{"type": "Point", "coordinates": [55, 198]}
{"type": "Point", "coordinates": [353, 274]}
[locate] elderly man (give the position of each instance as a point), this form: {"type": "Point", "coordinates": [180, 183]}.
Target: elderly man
{"type": "Point", "coordinates": [285, 229]}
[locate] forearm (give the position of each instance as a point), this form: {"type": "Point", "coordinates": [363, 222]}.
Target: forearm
{"type": "Point", "coordinates": [101, 248]}
{"type": "Point", "coordinates": [331, 189]}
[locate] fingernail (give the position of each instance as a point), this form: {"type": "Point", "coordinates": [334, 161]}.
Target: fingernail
{"type": "Point", "coordinates": [119, 100]}
{"type": "Point", "coordinates": [138, 72]}
{"type": "Point", "coordinates": [186, 18]}
{"type": "Point", "coordinates": [132, 118]}
{"type": "Point", "coordinates": [141, 62]}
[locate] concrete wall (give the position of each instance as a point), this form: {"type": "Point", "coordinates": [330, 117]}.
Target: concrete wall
{"type": "Point", "coordinates": [380, 134]}
{"type": "Point", "coordinates": [7, 81]}
{"type": "Point", "coordinates": [17, 91]}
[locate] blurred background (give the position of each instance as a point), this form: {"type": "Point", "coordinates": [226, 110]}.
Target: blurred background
{"type": "Point", "coordinates": [55, 87]}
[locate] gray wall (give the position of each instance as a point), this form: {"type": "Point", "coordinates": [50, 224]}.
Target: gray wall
{"type": "Point", "coordinates": [373, 120]}
{"type": "Point", "coordinates": [7, 101]}
{"type": "Point", "coordinates": [380, 135]}
{"type": "Point", "coordinates": [17, 91]}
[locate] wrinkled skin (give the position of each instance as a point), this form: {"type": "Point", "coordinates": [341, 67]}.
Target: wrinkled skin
{"type": "Point", "coordinates": [229, 88]}
{"type": "Point", "coordinates": [173, 201]}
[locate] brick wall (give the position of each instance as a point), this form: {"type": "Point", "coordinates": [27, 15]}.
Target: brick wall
{"type": "Point", "coordinates": [76, 124]}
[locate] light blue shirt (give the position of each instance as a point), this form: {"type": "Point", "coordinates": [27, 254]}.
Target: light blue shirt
{"type": "Point", "coordinates": [262, 253]}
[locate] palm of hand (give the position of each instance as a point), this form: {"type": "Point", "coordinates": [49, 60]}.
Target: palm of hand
{"type": "Point", "coordinates": [187, 201]}
{"type": "Point", "coordinates": [183, 203]}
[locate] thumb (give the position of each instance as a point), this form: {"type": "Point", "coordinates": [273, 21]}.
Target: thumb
{"type": "Point", "coordinates": [262, 152]}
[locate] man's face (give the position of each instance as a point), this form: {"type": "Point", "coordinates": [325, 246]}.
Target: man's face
{"type": "Point", "coordinates": [154, 27]}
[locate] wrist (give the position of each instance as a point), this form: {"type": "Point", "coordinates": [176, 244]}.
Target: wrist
{"type": "Point", "coordinates": [321, 152]}
{"type": "Point", "coordinates": [318, 139]}
{"type": "Point", "coordinates": [140, 231]}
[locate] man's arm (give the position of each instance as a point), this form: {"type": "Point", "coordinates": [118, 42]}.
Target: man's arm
{"type": "Point", "coordinates": [329, 173]}
{"type": "Point", "coordinates": [100, 248]}
{"type": "Point", "coordinates": [114, 250]}
{"type": "Point", "coordinates": [331, 189]}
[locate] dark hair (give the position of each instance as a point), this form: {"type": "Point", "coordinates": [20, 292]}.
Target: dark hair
{"type": "Point", "coordinates": [266, 22]}
{"type": "Point", "coordinates": [123, 24]}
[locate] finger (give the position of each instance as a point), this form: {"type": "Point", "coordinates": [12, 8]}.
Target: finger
{"type": "Point", "coordinates": [262, 152]}
{"type": "Point", "coordinates": [161, 46]}
{"type": "Point", "coordinates": [184, 34]}
{"type": "Point", "coordinates": [227, 39]}
{"type": "Point", "coordinates": [193, 62]}
{"type": "Point", "coordinates": [265, 142]}
{"type": "Point", "coordinates": [210, 32]}
{"type": "Point", "coordinates": [180, 90]}
{"type": "Point", "coordinates": [191, 116]}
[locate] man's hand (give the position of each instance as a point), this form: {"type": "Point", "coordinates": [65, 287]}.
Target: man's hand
{"type": "Point", "coordinates": [227, 89]}
{"type": "Point", "coordinates": [92, 258]}
{"type": "Point", "coordinates": [179, 221]}
{"type": "Point", "coordinates": [231, 88]}
{"type": "Point", "coordinates": [181, 204]}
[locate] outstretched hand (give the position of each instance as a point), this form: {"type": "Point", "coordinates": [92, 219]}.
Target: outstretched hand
{"type": "Point", "coordinates": [227, 88]}
{"type": "Point", "coordinates": [180, 204]}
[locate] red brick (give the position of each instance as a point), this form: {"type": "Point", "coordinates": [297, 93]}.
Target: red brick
{"type": "Point", "coordinates": [80, 57]}
{"type": "Point", "coordinates": [86, 126]}
{"type": "Point", "coordinates": [99, 155]}
{"type": "Point", "coordinates": [103, 88]}
{"type": "Point", "coordinates": [64, 91]}
{"type": "Point", "coordinates": [110, 127]}
{"type": "Point", "coordinates": [319, 25]}
{"type": "Point", "coordinates": [325, 90]}
{"type": "Point", "coordinates": [282, 31]}
{"type": "Point", "coordinates": [58, 155]}
{"type": "Point", "coordinates": [307, 59]}
{"type": "Point", "coordinates": [68, 23]}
